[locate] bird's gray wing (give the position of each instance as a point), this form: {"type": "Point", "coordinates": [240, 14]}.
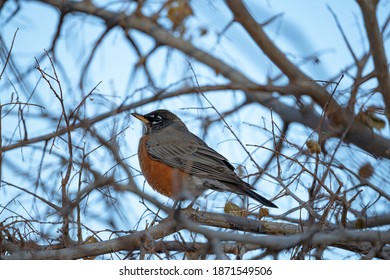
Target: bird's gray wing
{"type": "Point", "coordinates": [187, 152]}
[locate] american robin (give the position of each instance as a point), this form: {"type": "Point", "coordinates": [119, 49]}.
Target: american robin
{"type": "Point", "coordinates": [180, 165]}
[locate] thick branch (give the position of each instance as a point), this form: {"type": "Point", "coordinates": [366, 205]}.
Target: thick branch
{"type": "Point", "coordinates": [130, 242]}
{"type": "Point", "coordinates": [242, 15]}
{"type": "Point", "coordinates": [356, 241]}
{"type": "Point", "coordinates": [374, 35]}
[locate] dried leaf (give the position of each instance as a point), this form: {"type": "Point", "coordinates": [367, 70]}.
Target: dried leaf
{"type": "Point", "coordinates": [371, 119]}
{"type": "Point", "coordinates": [314, 146]}
{"type": "Point", "coordinates": [366, 171]}
{"type": "Point", "coordinates": [263, 212]}
{"type": "Point", "coordinates": [377, 122]}
{"type": "Point", "coordinates": [360, 224]}
{"type": "Point", "coordinates": [178, 11]}
{"type": "Point", "coordinates": [234, 210]}
{"type": "Point", "coordinates": [89, 240]}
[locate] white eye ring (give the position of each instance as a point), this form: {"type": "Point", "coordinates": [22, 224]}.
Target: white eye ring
{"type": "Point", "coordinates": [157, 119]}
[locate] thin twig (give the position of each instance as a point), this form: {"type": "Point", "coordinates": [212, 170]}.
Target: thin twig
{"type": "Point", "coordinates": [9, 54]}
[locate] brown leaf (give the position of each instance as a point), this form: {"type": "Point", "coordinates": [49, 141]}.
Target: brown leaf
{"type": "Point", "coordinates": [314, 146]}
{"type": "Point", "coordinates": [263, 212]}
{"type": "Point", "coordinates": [89, 240]}
{"type": "Point", "coordinates": [178, 11]}
{"type": "Point", "coordinates": [377, 122]}
{"type": "Point", "coordinates": [371, 119]}
{"type": "Point", "coordinates": [360, 224]}
{"type": "Point", "coordinates": [234, 210]}
{"type": "Point", "coordinates": [366, 171]}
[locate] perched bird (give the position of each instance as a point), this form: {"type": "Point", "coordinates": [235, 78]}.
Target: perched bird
{"type": "Point", "coordinates": [180, 165]}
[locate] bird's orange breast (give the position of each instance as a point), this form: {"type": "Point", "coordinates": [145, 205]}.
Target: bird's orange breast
{"type": "Point", "coordinates": [161, 177]}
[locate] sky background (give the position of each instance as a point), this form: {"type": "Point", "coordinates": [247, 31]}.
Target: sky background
{"type": "Point", "coordinates": [304, 28]}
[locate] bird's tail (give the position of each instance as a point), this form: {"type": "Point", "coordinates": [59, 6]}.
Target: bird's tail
{"type": "Point", "coordinates": [259, 198]}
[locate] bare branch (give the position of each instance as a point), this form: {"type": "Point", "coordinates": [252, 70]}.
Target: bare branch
{"type": "Point", "coordinates": [368, 8]}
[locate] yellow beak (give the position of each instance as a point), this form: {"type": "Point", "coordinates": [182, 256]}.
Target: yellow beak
{"type": "Point", "coordinates": [141, 118]}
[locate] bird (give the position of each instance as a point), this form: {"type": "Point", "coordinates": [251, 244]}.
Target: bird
{"type": "Point", "coordinates": [180, 165]}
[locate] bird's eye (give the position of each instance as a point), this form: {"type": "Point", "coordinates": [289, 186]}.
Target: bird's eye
{"type": "Point", "coordinates": [156, 119]}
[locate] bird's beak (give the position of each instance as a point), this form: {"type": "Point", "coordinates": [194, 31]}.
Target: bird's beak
{"type": "Point", "coordinates": [141, 118]}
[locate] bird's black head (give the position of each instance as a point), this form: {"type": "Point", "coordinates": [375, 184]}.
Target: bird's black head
{"type": "Point", "coordinates": [158, 120]}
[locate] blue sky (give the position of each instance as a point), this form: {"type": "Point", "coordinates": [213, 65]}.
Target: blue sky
{"type": "Point", "coordinates": [304, 28]}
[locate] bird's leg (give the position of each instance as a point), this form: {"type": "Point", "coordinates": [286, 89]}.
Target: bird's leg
{"type": "Point", "coordinates": [177, 205]}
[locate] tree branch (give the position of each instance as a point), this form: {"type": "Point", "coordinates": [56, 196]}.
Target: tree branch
{"type": "Point", "coordinates": [368, 8]}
